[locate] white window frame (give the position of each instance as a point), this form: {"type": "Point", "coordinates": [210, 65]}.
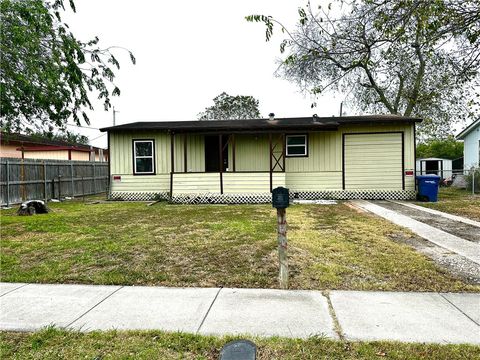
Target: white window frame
{"type": "Point", "coordinates": [135, 157]}
{"type": "Point", "coordinates": [305, 145]}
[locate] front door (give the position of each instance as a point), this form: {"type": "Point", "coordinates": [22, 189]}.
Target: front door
{"type": "Point", "coordinates": [212, 152]}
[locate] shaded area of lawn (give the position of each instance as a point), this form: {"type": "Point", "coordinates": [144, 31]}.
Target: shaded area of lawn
{"type": "Point", "coordinates": [456, 201]}
{"type": "Point", "coordinates": [330, 247]}
{"type": "Point", "coordinates": [58, 344]}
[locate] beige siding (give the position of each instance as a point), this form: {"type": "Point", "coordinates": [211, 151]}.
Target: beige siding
{"type": "Point", "coordinates": [80, 156]}
{"type": "Point", "coordinates": [103, 158]}
{"type": "Point", "coordinates": [54, 155]}
{"type": "Point", "coordinates": [373, 161]}
{"type": "Point", "coordinates": [121, 153]}
{"type": "Point", "coordinates": [321, 170]}
{"type": "Point", "coordinates": [10, 151]}
{"type": "Point", "coordinates": [252, 153]}
{"type": "Point", "coordinates": [235, 183]}
{"type": "Point", "coordinates": [131, 183]}
{"type": "Point", "coordinates": [313, 181]}
{"type": "Point", "coordinates": [195, 153]}
{"type": "Point", "coordinates": [324, 154]}
{"type": "Point", "coordinates": [121, 150]}
{"type": "Point", "coordinates": [196, 183]}
{"type": "Point", "coordinates": [200, 183]}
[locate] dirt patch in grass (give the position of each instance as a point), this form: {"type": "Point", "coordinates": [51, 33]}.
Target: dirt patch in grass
{"type": "Point", "coordinates": [330, 247]}
{"type": "Point", "coordinates": [58, 344]}
{"type": "Point", "coordinates": [456, 201]}
{"type": "Point", "coordinates": [445, 259]}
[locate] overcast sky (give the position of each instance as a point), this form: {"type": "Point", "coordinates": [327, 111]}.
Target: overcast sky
{"type": "Point", "coordinates": [187, 53]}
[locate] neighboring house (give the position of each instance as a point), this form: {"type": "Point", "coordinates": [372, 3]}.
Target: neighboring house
{"type": "Point", "coordinates": [471, 145]}
{"type": "Point", "coordinates": [436, 166]}
{"type": "Point", "coordinates": [371, 157]}
{"type": "Point", "coordinates": [32, 147]}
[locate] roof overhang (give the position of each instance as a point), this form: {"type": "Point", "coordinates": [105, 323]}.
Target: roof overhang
{"type": "Point", "coordinates": [261, 125]}
{"type": "Point", "coordinates": [468, 130]}
{"type": "Point", "coordinates": [52, 148]}
{"type": "Point", "coordinates": [33, 141]}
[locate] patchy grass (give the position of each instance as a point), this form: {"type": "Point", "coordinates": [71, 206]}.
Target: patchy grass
{"type": "Point", "coordinates": [59, 344]}
{"type": "Point", "coordinates": [330, 247]}
{"type": "Point", "coordinates": [456, 201]}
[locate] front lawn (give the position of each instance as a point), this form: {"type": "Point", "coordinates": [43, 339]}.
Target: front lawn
{"type": "Point", "coordinates": [59, 344]}
{"type": "Point", "coordinates": [456, 201]}
{"type": "Point", "coordinates": [330, 247]}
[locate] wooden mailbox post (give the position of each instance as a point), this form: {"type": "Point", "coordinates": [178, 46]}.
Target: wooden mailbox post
{"type": "Point", "coordinates": [280, 201]}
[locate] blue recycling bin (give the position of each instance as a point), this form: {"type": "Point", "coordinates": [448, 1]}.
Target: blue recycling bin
{"type": "Point", "coordinates": [428, 187]}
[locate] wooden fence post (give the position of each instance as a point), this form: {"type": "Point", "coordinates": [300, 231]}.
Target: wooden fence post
{"type": "Point", "coordinates": [45, 182]}
{"type": "Point", "coordinates": [22, 176]}
{"type": "Point", "coordinates": [83, 188]}
{"type": "Point", "coordinates": [72, 181]}
{"type": "Point", "coordinates": [94, 182]}
{"type": "Point", "coordinates": [7, 173]}
{"type": "Point", "coordinates": [59, 187]}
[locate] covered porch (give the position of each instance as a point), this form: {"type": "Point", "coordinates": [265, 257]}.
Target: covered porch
{"type": "Point", "coordinates": [227, 163]}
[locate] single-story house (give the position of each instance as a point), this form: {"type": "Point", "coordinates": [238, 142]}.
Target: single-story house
{"type": "Point", "coordinates": [436, 166]}
{"type": "Point", "coordinates": [33, 147]}
{"type": "Point", "coordinates": [233, 161]}
{"type": "Point", "coordinates": [471, 145]}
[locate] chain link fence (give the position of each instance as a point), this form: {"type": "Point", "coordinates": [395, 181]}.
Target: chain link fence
{"type": "Point", "coordinates": [472, 180]}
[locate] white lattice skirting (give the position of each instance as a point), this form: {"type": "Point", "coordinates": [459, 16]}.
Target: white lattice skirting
{"type": "Point", "coordinates": [262, 198]}
{"type": "Point", "coordinates": [138, 196]}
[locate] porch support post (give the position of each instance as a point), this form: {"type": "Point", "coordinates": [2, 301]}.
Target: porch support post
{"type": "Point", "coordinates": [220, 161]}
{"type": "Point", "coordinates": [233, 153]}
{"type": "Point", "coordinates": [185, 152]}
{"type": "Point", "coordinates": [172, 162]}
{"type": "Point", "coordinates": [271, 164]}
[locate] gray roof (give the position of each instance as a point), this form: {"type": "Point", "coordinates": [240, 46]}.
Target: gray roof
{"type": "Point", "coordinates": [280, 124]}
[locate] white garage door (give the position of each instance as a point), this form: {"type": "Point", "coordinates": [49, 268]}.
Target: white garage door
{"type": "Point", "coordinates": [373, 161]}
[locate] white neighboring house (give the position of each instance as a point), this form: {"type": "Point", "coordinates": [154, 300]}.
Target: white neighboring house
{"type": "Point", "coordinates": [437, 166]}
{"type": "Point", "coordinates": [471, 140]}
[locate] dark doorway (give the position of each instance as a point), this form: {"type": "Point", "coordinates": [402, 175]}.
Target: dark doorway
{"type": "Point", "coordinates": [431, 167]}
{"type": "Point", "coordinates": [212, 152]}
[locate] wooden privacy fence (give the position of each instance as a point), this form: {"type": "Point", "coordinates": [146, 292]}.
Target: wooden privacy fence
{"type": "Point", "coordinates": [30, 179]}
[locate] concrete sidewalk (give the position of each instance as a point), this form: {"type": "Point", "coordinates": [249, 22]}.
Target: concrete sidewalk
{"type": "Point", "coordinates": [353, 315]}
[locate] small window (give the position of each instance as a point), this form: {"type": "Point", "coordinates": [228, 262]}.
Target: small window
{"type": "Point", "coordinates": [143, 157]}
{"type": "Point", "coordinates": [297, 145]}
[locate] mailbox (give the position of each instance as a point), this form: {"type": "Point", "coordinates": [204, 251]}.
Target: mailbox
{"type": "Point", "coordinates": [280, 198]}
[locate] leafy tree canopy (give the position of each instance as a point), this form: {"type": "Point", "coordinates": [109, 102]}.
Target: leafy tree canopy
{"type": "Point", "coordinates": [46, 73]}
{"type": "Point", "coordinates": [226, 107]}
{"type": "Point", "coordinates": [410, 57]}
{"type": "Point", "coordinates": [447, 148]}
